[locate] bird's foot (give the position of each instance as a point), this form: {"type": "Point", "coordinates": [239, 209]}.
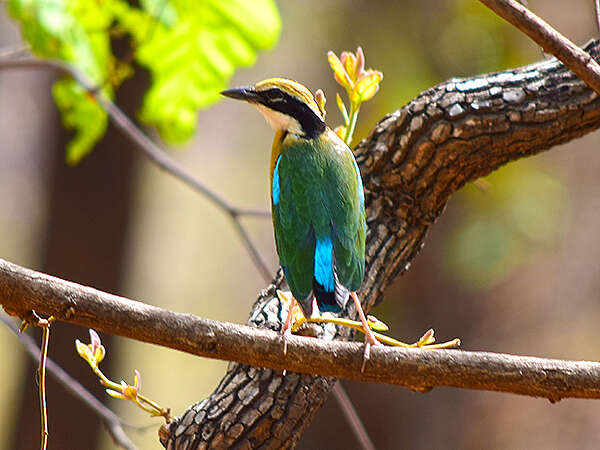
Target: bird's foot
{"type": "Point", "coordinates": [370, 340]}
{"type": "Point", "coordinates": [285, 334]}
{"type": "Point", "coordinates": [286, 331]}
{"type": "Point", "coordinates": [290, 322]}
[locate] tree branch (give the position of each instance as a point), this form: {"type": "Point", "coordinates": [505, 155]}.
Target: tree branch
{"type": "Point", "coordinates": [352, 417]}
{"type": "Point", "coordinates": [553, 42]}
{"type": "Point", "coordinates": [152, 150]}
{"type": "Point", "coordinates": [24, 290]}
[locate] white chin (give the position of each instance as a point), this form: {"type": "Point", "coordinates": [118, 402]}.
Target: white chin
{"type": "Point", "coordinates": [279, 121]}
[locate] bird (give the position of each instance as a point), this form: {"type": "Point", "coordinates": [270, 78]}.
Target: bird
{"type": "Point", "coordinates": [317, 202]}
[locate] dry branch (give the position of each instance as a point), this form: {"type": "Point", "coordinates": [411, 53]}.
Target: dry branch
{"type": "Point", "coordinates": [24, 290]}
{"type": "Point", "coordinates": [553, 42]}
{"type": "Point", "coordinates": [150, 149]}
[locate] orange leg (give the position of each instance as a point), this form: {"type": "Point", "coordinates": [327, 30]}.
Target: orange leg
{"type": "Point", "coordinates": [370, 338]}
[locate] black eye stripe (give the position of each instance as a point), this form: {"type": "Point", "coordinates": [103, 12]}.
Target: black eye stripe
{"type": "Point", "coordinates": [275, 95]}
{"type": "Point", "coordinates": [311, 123]}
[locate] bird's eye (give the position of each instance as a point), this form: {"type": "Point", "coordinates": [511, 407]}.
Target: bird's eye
{"type": "Point", "coordinates": [274, 95]}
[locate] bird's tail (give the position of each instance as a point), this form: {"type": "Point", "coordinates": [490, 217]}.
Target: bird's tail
{"type": "Point", "coordinates": [331, 301]}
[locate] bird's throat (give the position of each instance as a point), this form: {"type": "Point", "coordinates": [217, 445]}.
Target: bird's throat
{"type": "Point", "coordinates": [280, 121]}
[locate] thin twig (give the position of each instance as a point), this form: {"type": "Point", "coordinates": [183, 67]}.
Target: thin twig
{"type": "Point", "coordinates": [150, 148]}
{"type": "Point", "coordinates": [162, 160]}
{"type": "Point", "coordinates": [360, 432]}
{"type": "Point", "coordinates": [113, 423]}
{"type": "Point", "coordinates": [11, 52]}
{"type": "Point", "coordinates": [153, 151]}
{"type": "Point", "coordinates": [45, 325]}
{"type": "Point", "coordinates": [578, 61]}
{"type": "Point", "coordinates": [256, 256]}
{"type": "Point", "coordinates": [597, 3]}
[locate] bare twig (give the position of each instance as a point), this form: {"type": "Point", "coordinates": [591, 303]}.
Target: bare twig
{"type": "Point", "coordinates": [553, 42]}
{"type": "Point", "coordinates": [597, 4]}
{"type": "Point", "coordinates": [362, 436]}
{"type": "Point", "coordinates": [421, 370]}
{"type": "Point", "coordinates": [113, 423]}
{"type": "Point", "coordinates": [11, 52]}
{"type": "Point", "coordinates": [152, 150]}
{"type": "Point", "coordinates": [45, 325]}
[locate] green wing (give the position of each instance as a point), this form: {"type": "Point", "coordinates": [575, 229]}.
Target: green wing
{"type": "Point", "coordinates": [318, 205]}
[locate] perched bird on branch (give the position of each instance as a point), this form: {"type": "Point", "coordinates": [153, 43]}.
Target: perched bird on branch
{"type": "Point", "coordinates": [317, 201]}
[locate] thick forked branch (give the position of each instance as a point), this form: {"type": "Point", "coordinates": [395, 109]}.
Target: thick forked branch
{"type": "Point", "coordinates": [411, 163]}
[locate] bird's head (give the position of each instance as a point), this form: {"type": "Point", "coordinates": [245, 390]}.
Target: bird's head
{"type": "Point", "coordinates": [286, 105]}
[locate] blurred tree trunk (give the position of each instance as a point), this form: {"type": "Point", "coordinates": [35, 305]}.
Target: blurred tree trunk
{"type": "Point", "coordinates": [88, 219]}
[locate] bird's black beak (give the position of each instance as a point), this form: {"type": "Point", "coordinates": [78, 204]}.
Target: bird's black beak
{"type": "Point", "coordinates": [247, 94]}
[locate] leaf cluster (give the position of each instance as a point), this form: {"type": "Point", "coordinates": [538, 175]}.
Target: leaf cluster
{"type": "Point", "coordinates": [191, 50]}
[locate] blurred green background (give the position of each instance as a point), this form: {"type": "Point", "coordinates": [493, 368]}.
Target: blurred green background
{"type": "Point", "coordinates": [514, 269]}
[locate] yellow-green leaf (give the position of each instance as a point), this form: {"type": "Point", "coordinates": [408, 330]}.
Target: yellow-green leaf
{"type": "Point", "coordinates": [349, 62]}
{"type": "Point", "coordinates": [81, 113]}
{"type": "Point", "coordinates": [342, 108]}
{"type": "Point", "coordinates": [84, 350]}
{"type": "Point", "coordinates": [190, 48]}
{"type": "Point", "coordinates": [339, 72]}
{"type": "Point", "coordinates": [366, 87]}
{"type": "Point", "coordinates": [192, 60]}
{"type": "Point", "coordinates": [115, 394]}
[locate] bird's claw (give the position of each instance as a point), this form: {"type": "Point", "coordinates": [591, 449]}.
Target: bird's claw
{"type": "Point", "coordinates": [284, 336]}
{"type": "Point", "coordinates": [370, 340]}
{"type": "Point", "coordinates": [366, 357]}
{"type": "Point", "coordinates": [286, 331]}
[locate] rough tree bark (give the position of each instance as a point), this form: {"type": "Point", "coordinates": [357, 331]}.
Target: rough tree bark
{"type": "Point", "coordinates": [411, 163]}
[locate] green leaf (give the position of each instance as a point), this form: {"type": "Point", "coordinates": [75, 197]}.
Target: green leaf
{"type": "Point", "coordinates": [161, 10]}
{"type": "Point", "coordinates": [192, 59]}
{"type": "Point", "coordinates": [74, 31]}
{"type": "Point", "coordinates": [190, 48]}
{"type": "Point", "coordinates": [81, 113]}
